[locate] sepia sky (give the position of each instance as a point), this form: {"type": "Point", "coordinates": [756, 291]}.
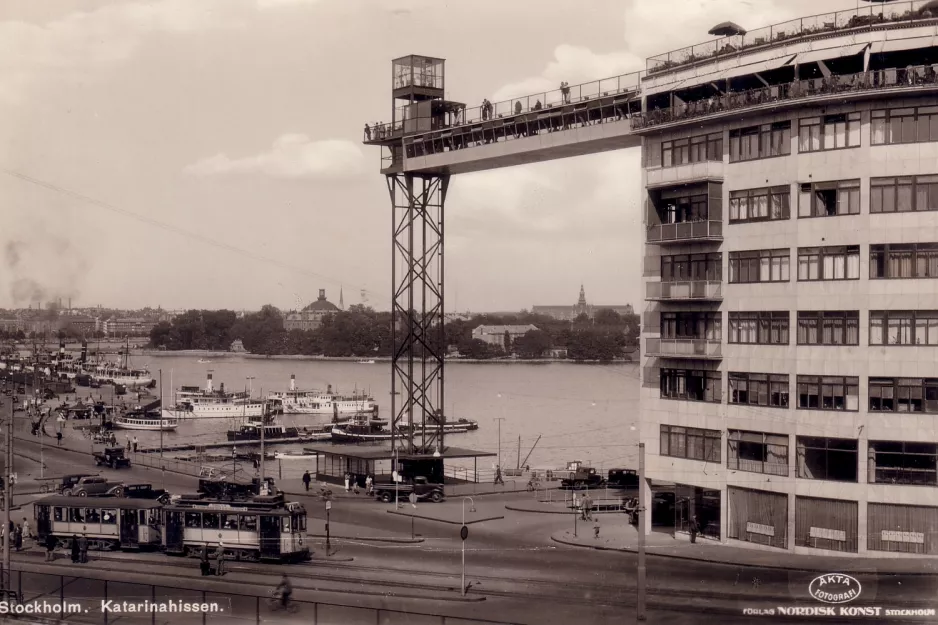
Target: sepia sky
{"type": "Point", "coordinates": [207, 153]}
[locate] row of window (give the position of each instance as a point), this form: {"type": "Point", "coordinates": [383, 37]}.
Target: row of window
{"type": "Point", "coordinates": [815, 134]}
{"type": "Point", "coordinates": [817, 458]}
{"type": "Point", "coordinates": [772, 390]}
{"type": "Point", "coordinates": [815, 327]}
{"type": "Point", "coordinates": [838, 262]}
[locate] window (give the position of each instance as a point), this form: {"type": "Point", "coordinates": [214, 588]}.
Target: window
{"type": "Point", "coordinates": [769, 204]}
{"type": "Point", "coordinates": [57, 513]}
{"type": "Point", "coordinates": [691, 385]}
{"type": "Point", "coordinates": [832, 459]}
{"type": "Point", "coordinates": [109, 517]}
{"type": "Point", "coordinates": [757, 452]}
{"type": "Point", "coordinates": [690, 443]}
{"type": "Point", "coordinates": [829, 199]}
{"type": "Point", "coordinates": [759, 328]}
{"type": "Point", "coordinates": [691, 325]}
{"type": "Point", "coordinates": [904, 327]}
{"type": "Point", "coordinates": [760, 266]}
{"type": "Point", "coordinates": [904, 463]}
{"type": "Point", "coordinates": [763, 141]}
{"type": "Point", "coordinates": [817, 392]}
{"type": "Point", "coordinates": [903, 194]}
{"type": "Point", "coordinates": [92, 515]}
{"type": "Point", "coordinates": [249, 523]}
{"type": "Point", "coordinates": [694, 150]}
{"type": "Point", "coordinates": [759, 389]}
{"type": "Point", "coordinates": [193, 519]}
{"type": "Point", "coordinates": [904, 260]}
{"type": "Point", "coordinates": [229, 521]}
{"type": "Point", "coordinates": [683, 267]}
{"type": "Point", "coordinates": [829, 263]}
{"type": "Point", "coordinates": [75, 515]}
{"type": "Point", "coordinates": [829, 327]}
{"type": "Point", "coordinates": [830, 132]}
{"type": "Point", "coordinates": [906, 125]}
{"type": "Point", "coordinates": [904, 395]}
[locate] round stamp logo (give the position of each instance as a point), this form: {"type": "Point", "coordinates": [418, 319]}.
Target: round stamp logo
{"type": "Point", "coordinates": [834, 588]}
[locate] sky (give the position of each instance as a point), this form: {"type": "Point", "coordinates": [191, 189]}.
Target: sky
{"type": "Point", "coordinates": [207, 153]}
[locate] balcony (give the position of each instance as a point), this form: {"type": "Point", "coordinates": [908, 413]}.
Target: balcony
{"type": "Point", "coordinates": [689, 231]}
{"type": "Point", "coordinates": [687, 290]}
{"type": "Point", "coordinates": [699, 349]}
{"type": "Point", "coordinates": [682, 174]}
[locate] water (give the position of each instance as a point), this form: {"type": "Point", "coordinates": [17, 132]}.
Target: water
{"type": "Point", "coordinates": [583, 412]}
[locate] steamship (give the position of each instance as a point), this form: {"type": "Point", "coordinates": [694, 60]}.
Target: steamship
{"type": "Point", "coordinates": [296, 401]}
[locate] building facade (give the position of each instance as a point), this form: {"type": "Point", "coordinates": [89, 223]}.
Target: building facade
{"type": "Point", "coordinates": [310, 318]}
{"type": "Point", "coordinates": [495, 335]}
{"type": "Point", "coordinates": [569, 313]}
{"type": "Point", "coordinates": [790, 331]}
{"type": "Point", "coordinates": [127, 326]}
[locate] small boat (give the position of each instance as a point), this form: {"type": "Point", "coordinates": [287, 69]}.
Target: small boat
{"type": "Point", "coordinates": [295, 455]}
{"type": "Point", "coordinates": [252, 432]}
{"type": "Point", "coordinates": [366, 362]}
{"type": "Point", "coordinates": [129, 422]}
{"type": "Point", "coordinates": [460, 426]}
{"type": "Point", "coordinates": [203, 361]}
{"type": "Point", "coordinates": [359, 433]}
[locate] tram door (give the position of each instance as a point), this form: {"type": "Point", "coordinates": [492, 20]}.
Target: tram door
{"type": "Point", "coordinates": [270, 536]}
{"type": "Point", "coordinates": [129, 534]}
{"type": "Point", "coordinates": [43, 521]}
{"type": "Point", "coordinates": [173, 531]}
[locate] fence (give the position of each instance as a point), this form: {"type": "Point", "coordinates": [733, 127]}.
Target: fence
{"type": "Point", "coordinates": [79, 599]}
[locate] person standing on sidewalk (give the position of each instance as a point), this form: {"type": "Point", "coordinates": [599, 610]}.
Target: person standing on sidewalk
{"type": "Point", "coordinates": [83, 549]}
{"type": "Point", "coordinates": [135, 444]}
{"type": "Point", "coordinates": [26, 532]}
{"type": "Point", "coordinates": [306, 480]}
{"type": "Point", "coordinates": [694, 529]}
{"type": "Point", "coordinates": [51, 543]}
{"type": "Point", "coordinates": [76, 551]}
{"type": "Point", "coordinates": [220, 559]}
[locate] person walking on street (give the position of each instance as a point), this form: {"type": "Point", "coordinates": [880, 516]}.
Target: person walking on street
{"type": "Point", "coordinates": [369, 483]}
{"type": "Point", "coordinates": [220, 559]}
{"type": "Point", "coordinates": [203, 563]}
{"type": "Point", "coordinates": [18, 538]}
{"type": "Point", "coordinates": [498, 475]}
{"type": "Point", "coordinates": [306, 480]}
{"type": "Point", "coordinates": [284, 589]}
{"type": "Point", "coordinates": [83, 549]}
{"type": "Point", "coordinates": [694, 529]}
{"type": "Point", "coordinates": [51, 543]}
{"type": "Point", "coordinates": [348, 478]}
{"type": "Point", "coordinates": [76, 551]}
{"type": "Point", "coordinates": [26, 531]}
{"type": "Point", "coordinates": [596, 529]}
{"type": "Point", "coordinates": [135, 444]}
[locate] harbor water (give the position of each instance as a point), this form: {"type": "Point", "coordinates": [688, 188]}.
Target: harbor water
{"type": "Point", "coordinates": [582, 412]}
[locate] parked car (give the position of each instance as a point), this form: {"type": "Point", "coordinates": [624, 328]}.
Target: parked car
{"type": "Point", "coordinates": [419, 485]}
{"type": "Point", "coordinates": [95, 486]}
{"type": "Point", "coordinates": [146, 491]}
{"type": "Point", "coordinates": [63, 484]}
{"type": "Point", "coordinates": [112, 457]}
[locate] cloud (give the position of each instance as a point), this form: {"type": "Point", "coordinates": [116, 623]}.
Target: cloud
{"type": "Point", "coordinates": [86, 41]}
{"type": "Point", "coordinates": [292, 156]}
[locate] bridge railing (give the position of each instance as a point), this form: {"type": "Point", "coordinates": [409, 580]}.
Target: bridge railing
{"type": "Point", "coordinates": [875, 80]}
{"type": "Point", "coordinates": [80, 599]}
{"type": "Point", "coordinates": [572, 94]}
{"type": "Point", "coordinates": [867, 16]}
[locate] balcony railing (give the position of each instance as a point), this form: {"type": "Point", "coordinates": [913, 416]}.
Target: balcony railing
{"type": "Point", "coordinates": [686, 231]}
{"type": "Point", "coordinates": [683, 348]}
{"type": "Point", "coordinates": [879, 80]}
{"type": "Point", "coordinates": [685, 290]}
{"type": "Point", "coordinates": [865, 17]}
{"type": "Point", "coordinates": [895, 475]}
{"type": "Point", "coordinates": [688, 172]}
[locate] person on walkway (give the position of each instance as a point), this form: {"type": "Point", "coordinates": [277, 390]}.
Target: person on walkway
{"type": "Point", "coordinates": [596, 529]}
{"type": "Point", "coordinates": [83, 549]}
{"type": "Point", "coordinates": [26, 531]}
{"type": "Point", "coordinates": [694, 529]}
{"type": "Point", "coordinates": [498, 475]}
{"type": "Point", "coordinates": [306, 480]}
{"type": "Point", "coordinates": [51, 543]}
{"type": "Point", "coordinates": [204, 563]}
{"type": "Point", "coordinates": [367, 133]}
{"type": "Point", "coordinates": [220, 559]}
{"type": "Point", "coordinates": [128, 444]}
{"type": "Point", "coordinates": [348, 478]}
{"type": "Point", "coordinates": [576, 501]}
{"type": "Point", "coordinates": [18, 538]}
{"type": "Point", "coordinates": [76, 551]}
{"type": "Point", "coordinates": [284, 589]}
{"type": "Point", "coordinates": [135, 444]}
{"type": "Point", "coordinates": [369, 485]}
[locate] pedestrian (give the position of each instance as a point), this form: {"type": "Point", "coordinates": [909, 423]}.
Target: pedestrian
{"type": "Point", "coordinates": [26, 531]}
{"type": "Point", "coordinates": [498, 475]}
{"type": "Point", "coordinates": [596, 529]}
{"type": "Point", "coordinates": [220, 559]}
{"type": "Point", "coordinates": [51, 543]}
{"type": "Point", "coordinates": [576, 502]}
{"type": "Point", "coordinates": [367, 133]}
{"type": "Point", "coordinates": [306, 480]}
{"type": "Point", "coordinates": [75, 549]}
{"type": "Point", "coordinates": [694, 529]}
{"type": "Point", "coordinates": [368, 484]}
{"type": "Point", "coordinates": [83, 549]}
{"type": "Point", "coordinates": [347, 480]}
{"type": "Point", "coordinates": [128, 444]}
{"type": "Point", "coordinates": [204, 563]}
{"type": "Point", "coordinates": [18, 538]}
{"type": "Point", "coordinates": [135, 444]}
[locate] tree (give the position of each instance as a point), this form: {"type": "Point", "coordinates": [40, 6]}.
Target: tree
{"type": "Point", "coordinates": [533, 344]}
{"type": "Point", "coordinates": [608, 317]}
{"type": "Point", "coordinates": [507, 342]}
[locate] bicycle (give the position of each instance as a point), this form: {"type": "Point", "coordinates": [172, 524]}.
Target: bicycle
{"type": "Point", "coordinates": [276, 604]}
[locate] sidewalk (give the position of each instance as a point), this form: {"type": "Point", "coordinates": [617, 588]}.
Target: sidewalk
{"type": "Point", "coordinates": [616, 534]}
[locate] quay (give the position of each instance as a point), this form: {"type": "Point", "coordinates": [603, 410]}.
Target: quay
{"type": "Point", "coordinates": [227, 444]}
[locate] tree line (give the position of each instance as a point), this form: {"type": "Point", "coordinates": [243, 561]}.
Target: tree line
{"type": "Point", "coordinates": [363, 332]}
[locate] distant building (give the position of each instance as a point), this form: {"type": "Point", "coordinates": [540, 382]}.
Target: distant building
{"type": "Point", "coordinates": [495, 335]}
{"type": "Point", "coordinates": [310, 318]}
{"type": "Point", "coordinates": [10, 325]}
{"type": "Point", "coordinates": [237, 346]}
{"type": "Point", "coordinates": [128, 326]}
{"type": "Point", "coordinates": [82, 324]}
{"type": "Point", "coordinates": [569, 313]}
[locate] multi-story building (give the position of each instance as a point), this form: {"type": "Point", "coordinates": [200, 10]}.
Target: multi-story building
{"type": "Point", "coordinates": [310, 318]}
{"type": "Point", "coordinates": [790, 333]}
{"type": "Point", "coordinates": [569, 313]}
{"type": "Point", "coordinates": [128, 326]}
{"type": "Point", "coordinates": [495, 335]}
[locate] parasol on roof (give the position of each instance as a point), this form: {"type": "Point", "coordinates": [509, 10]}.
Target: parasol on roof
{"type": "Point", "coordinates": [725, 29]}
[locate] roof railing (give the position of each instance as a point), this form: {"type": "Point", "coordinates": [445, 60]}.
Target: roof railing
{"type": "Point", "coordinates": [868, 16]}
{"type": "Point", "coordinates": [626, 84]}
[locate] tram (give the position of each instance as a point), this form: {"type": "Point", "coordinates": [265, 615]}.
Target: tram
{"type": "Point", "coordinates": [107, 522]}
{"type": "Point", "coordinates": [263, 528]}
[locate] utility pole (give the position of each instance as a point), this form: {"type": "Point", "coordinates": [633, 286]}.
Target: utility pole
{"type": "Point", "coordinates": [162, 468]}
{"type": "Point", "coordinates": [8, 499]}
{"type": "Point", "coordinates": [519, 453]}
{"type": "Point", "coordinates": [499, 419]}
{"type": "Point", "coordinates": [642, 512]}
{"type": "Point", "coordinates": [262, 485]}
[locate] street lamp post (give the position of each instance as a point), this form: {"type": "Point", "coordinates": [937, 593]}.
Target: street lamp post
{"type": "Point", "coordinates": [463, 535]}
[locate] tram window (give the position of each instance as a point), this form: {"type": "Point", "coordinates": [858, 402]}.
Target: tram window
{"type": "Point", "coordinates": [193, 519]}
{"type": "Point", "coordinates": [75, 515]}
{"type": "Point", "coordinates": [249, 523]}
{"type": "Point", "coordinates": [142, 517]}
{"type": "Point", "coordinates": [210, 520]}
{"type": "Point", "coordinates": [92, 515]}
{"type": "Point", "coordinates": [301, 523]}
{"type": "Point", "coordinates": [229, 521]}
{"type": "Point", "coordinates": [154, 517]}
{"type": "Point", "coordinates": [286, 524]}
{"type": "Point", "coordinates": [109, 517]}
{"type": "Point", "coordinates": [57, 514]}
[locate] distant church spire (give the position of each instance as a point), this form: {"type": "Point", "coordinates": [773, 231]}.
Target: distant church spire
{"type": "Point", "coordinates": [582, 301]}
{"type": "Point", "coordinates": [341, 300]}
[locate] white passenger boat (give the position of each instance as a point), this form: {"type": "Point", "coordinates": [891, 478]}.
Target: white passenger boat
{"type": "Point", "coordinates": [296, 401]}
{"type": "Point", "coordinates": [193, 402]}
{"type": "Point", "coordinates": [166, 424]}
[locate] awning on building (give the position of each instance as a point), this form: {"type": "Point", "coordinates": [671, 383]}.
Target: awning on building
{"type": "Point", "coordinates": [912, 43]}
{"type": "Point", "coordinates": [830, 53]}
{"type": "Point", "coordinates": [732, 72]}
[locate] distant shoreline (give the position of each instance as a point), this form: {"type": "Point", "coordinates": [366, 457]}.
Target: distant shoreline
{"type": "Point", "coordinates": [381, 359]}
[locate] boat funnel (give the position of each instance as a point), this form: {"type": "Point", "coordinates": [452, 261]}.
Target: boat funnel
{"type": "Point", "coordinates": [208, 384]}
{"type": "Point", "coordinates": [292, 382]}
{"type": "Point", "coordinates": [329, 389]}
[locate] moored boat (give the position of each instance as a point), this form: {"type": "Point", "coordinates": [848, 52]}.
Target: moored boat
{"type": "Point", "coordinates": [251, 431]}
{"type": "Point", "coordinates": [359, 433]}
{"type": "Point", "coordinates": [126, 422]}
{"type": "Point", "coordinates": [311, 401]}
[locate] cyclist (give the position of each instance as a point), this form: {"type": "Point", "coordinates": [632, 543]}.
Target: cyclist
{"type": "Point", "coordinates": [284, 589]}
